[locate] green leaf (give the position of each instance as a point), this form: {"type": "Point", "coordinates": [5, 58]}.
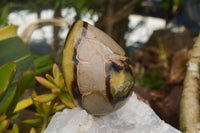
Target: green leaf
{"type": "Point", "coordinates": [24, 80]}
{"type": "Point", "coordinates": [67, 100]}
{"type": "Point", "coordinates": [40, 115]}
{"type": "Point", "coordinates": [2, 117]}
{"type": "Point", "coordinates": [43, 63]}
{"type": "Point", "coordinates": [4, 16]}
{"type": "Point", "coordinates": [32, 130]}
{"type": "Point", "coordinates": [59, 108]}
{"type": "Point", "coordinates": [57, 74]}
{"type": "Point", "coordinates": [45, 106]}
{"type": "Point", "coordinates": [23, 104]}
{"type": "Point", "coordinates": [7, 73]}
{"type": "Point", "coordinates": [47, 84]}
{"type": "Point", "coordinates": [33, 122]}
{"type": "Point", "coordinates": [58, 77]}
{"type": "Point", "coordinates": [37, 104]}
{"type": "Point", "coordinates": [45, 98]}
{"type": "Point", "coordinates": [8, 32]}
{"type": "Point", "coordinates": [7, 99]}
{"type": "Point", "coordinates": [14, 116]}
{"type": "Point", "coordinates": [14, 50]}
{"type": "Point", "coordinates": [44, 69]}
{"type": "Point", "coordinates": [15, 128]}
{"type": "Point", "coordinates": [51, 79]}
{"type": "Point", "coordinates": [4, 125]}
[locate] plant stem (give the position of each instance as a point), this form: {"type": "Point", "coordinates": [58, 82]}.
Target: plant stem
{"type": "Point", "coordinates": [26, 34]}
{"type": "Point", "coordinates": [46, 117]}
{"type": "Point", "coordinates": [189, 109]}
{"type": "Point", "coordinates": [162, 52]}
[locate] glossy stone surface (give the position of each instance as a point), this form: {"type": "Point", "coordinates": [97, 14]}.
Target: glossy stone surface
{"type": "Point", "coordinates": [96, 70]}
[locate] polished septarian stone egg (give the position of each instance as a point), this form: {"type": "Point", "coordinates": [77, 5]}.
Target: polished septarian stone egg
{"type": "Point", "coordinates": [96, 70]}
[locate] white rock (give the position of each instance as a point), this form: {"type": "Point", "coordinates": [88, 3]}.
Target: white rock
{"type": "Point", "coordinates": [134, 117]}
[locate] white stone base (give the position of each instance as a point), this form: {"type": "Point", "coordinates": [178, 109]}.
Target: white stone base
{"type": "Point", "coordinates": [134, 117]}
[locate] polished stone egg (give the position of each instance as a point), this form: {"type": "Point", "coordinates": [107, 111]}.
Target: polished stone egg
{"type": "Point", "coordinates": [96, 70]}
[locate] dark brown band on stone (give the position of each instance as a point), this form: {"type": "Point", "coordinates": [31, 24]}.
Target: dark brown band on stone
{"type": "Point", "coordinates": [107, 80]}
{"type": "Point", "coordinates": [116, 67]}
{"type": "Point", "coordinates": [75, 88]}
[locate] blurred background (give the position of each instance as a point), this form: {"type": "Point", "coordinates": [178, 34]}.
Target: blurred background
{"type": "Point", "coordinates": [157, 36]}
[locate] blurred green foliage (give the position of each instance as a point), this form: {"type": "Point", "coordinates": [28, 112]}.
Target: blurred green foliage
{"type": "Point", "coordinates": [80, 6]}
{"type": "Point", "coordinates": [152, 81]}
{"type": "Point", "coordinates": [42, 63]}
{"type": "Point", "coordinates": [16, 74]}
{"type": "Point", "coordinates": [48, 104]}
{"type": "Point", "coordinates": [4, 16]}
{"type": "Point", "coordinates": [176, 4]}
{"type": "Point", "coordinates": [10, 94]}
